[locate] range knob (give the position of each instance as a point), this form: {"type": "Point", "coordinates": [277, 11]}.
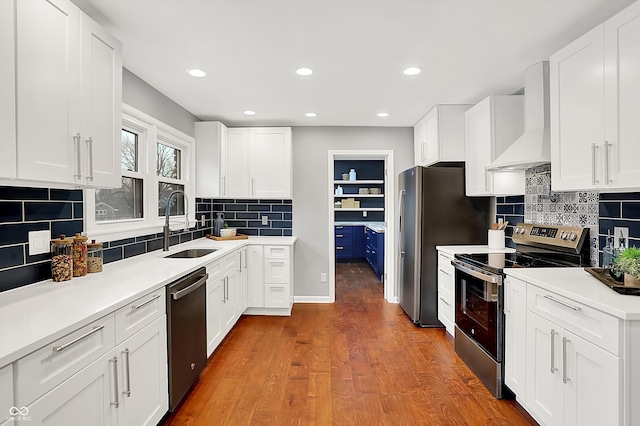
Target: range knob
{"type": "Point", "coordinates": [573, 236]}
{"type": "Point", "coordinates": [563, 235]}
{"type": "Point", "coordinates": [522, 230]}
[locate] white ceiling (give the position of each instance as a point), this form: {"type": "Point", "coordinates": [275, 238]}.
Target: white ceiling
{"type": "Point", "coordinates": [468, 49]}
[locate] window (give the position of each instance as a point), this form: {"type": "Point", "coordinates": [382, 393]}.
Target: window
{"type": "Point", "coordinates": [156, 160]}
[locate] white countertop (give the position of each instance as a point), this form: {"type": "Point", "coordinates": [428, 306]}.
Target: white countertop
{"type": "Point", "coordinates": [36, 314]}
{"type": "Point", "coordinates": [579, 285]}
{"type": "Point", "coordinates": [452, 250]}
{"type": "Point", "coordinates": [374, 226]}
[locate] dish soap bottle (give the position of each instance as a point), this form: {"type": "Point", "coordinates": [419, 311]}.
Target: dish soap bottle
{"type": "Point", "coordinates": [352, 174]}
{"type": "Point", "coordinates": [607, 252]}
{"type": "Point", "coordinates": [218, 224]}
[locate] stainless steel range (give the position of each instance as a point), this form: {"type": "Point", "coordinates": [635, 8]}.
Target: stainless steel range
{"type": "Point", "coordinates": [479, 337]}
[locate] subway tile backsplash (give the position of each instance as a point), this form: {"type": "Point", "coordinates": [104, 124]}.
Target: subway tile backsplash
{"type": "Point", "coordinates": [61, 212]}
{"type": "Point", "coordinates": [246, 215]}
{"type": "Point", "coordinates": [619, 210]}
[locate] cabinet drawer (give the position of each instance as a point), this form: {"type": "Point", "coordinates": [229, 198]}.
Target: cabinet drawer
{"type": "Point", "coordinates": [47, 367]}
{"type": "Point", "coordinates": [276, 252]}
{"type": "Point", "coordinates": [344, 230]}
{"type": "Point", "coordinates": [6, 390]}
{"type": "Point", "coordinates": [444, 261]}
{"type": "Point", "coordinates": [230, 261]}
{"type": "Point", "coordinates": [344, 251]}
{"type": "Point", "coordinates": [342, 239]}
{"type": "Point", "coordinates": [277, 296]}
{"type": "Point", "coordinates": [595, 326]}
{"type": "Point", "coordinates": [276, 271]}
{"type": "Point", "coordinates": [138, 314]}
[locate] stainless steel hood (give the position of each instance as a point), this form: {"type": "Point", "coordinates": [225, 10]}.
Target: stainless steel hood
{"type": "Point", "coordinates": [533, 147]}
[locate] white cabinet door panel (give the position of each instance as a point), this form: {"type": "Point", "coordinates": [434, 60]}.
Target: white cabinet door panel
{"type": "Point", "coordinates": [8, 90]}
{"type": "Point", "coordinates": [478, 152]}
{"type": "Point", "coordinates": [234, 166]}
{"type": "Point", "coordinates": [255, 265]}
{"type": "Point", "coordinates": [515, 335]}
{"type": "Point", "coordinates": [420, 142]}
{"type": "Point", "coordinates": [270, 162]}
{"type": "Point", "coordinates": [432, 154]}
{"type": "Point", "coordinates": [215, 295]}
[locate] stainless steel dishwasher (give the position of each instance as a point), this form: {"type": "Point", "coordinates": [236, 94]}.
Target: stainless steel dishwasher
{"type": "Point", "coordinates": [186, 333]}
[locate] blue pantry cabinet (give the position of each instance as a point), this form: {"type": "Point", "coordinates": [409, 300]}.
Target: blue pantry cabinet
{"type": "Point", "coordinates": [360, 242]}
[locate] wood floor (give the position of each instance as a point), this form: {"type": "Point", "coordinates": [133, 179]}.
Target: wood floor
{"type": "Point", "coordinates": [359, 361]}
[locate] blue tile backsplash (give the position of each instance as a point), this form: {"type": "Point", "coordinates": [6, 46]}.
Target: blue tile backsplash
{"type": "Point", "coordinates": [246, 215]}
{"type": "Point", "coordinates": [61, 211]}
{"type": "Point", "coordinates": [619, 210]}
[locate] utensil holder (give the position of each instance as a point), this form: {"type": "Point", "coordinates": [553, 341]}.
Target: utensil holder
{"type": "Point", "coordinates": [496, 238]}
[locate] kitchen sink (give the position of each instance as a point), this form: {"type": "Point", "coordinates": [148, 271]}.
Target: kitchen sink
{"type": "Point", "coordinates": [191, 253]}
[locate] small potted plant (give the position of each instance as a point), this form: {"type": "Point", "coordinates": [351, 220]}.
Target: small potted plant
{"type": "Point", "coordinates": [628, 262]}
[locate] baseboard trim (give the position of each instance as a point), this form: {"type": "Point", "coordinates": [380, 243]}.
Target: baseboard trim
{"type": "Point", "coordinates": [312, 299]}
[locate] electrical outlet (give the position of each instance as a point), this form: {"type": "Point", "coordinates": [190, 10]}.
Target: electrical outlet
{"type": "Point", "coordinates": [39, 242]}
{"type": "Point", "coordinates": [620, 237]}
{"type": "Point", "coordinates": [202, 221]}
{"type": "Point", "coordinates": [323, 277]}
{"type": "Point", "coordinates": [364, 213]}
{"type": "Point", "coordinates": [265, 220]}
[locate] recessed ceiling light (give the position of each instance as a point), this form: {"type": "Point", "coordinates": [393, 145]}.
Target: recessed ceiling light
{"type": "Point", "coordinates": [311, 114]}
{"type": "Point", "coordinates": [249, 112]}
{"type": "Point", "coordinates": [383, 114]}
{"type": "Point", "coordinates": [304, 71]}
{"type": "Point", "coordinates": [196, 73]}
{"type": "Point", "coordinates": [412, 71]}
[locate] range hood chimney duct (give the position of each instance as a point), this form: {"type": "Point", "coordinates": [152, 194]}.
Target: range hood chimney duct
{"type": "Point", "coordinates": [533, 147]}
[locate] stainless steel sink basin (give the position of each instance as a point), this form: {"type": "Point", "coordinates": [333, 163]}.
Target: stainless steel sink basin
{"type": "Point", "coordinates": [191, 253]}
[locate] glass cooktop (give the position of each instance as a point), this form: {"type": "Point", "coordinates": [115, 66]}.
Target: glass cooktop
{"type": "Point", "coordinates": [495, 262]}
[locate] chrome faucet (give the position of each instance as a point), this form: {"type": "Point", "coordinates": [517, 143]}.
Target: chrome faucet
{"type": "Point", "coordinates": [165, 229]}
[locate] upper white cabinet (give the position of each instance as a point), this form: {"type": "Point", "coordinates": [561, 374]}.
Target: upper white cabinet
{"type": "Point", "coordinates": [595, 102]}
{"type": "Point", "coordinates": [256, 163]}
{"type": "Point", "coordinates": [492, 126]}
{"type": "Point", "coordinates": [439, 135]}
{"type": "Point", "coordinates": [8, 90]}
{"type": "Point", "coordinates": [68, 97]}
{"type": "Point", "coordinates": [210, 137]}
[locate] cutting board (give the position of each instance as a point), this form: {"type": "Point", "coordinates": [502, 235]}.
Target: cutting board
{"type": "Point", "coordinates": [235, 237]}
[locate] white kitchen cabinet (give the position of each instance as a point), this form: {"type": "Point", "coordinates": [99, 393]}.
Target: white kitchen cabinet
{"type": "Point", "coordinates": [595, 102]}
{"type": "Point", "coordinates": [210, 138]}
{"type": "Point", "coordinates": [8, 90]}
{"type": "Point", "coordinates": [271, 286]}
{"type": "Point", "coordinates": [255, 285]}
{"type": "Point", "coordinates": [68, 97]}
{"type": "Point", "coordinates": [234, 164]}
{"type": "Point", "coordinates": [6, 393]}
{"type": "Point", "coordinates": [491, 126]}
{"type": "Point", "coordinates": [446, 292]}
{"type": "Point", "coordinates": [231, 300]}
{"type": "Point", "coordinates": [256, 163]}
{"type": "Point", "coordinates": [143, 376]}
{"type": "Point", "coordinates": [244, 282]}
{"type": "Point", "coordinates": [215, 295]}
{"type": "Point", "coordinates": [515, 301]}
{"type": "Point", "coordinates": [439, 135]}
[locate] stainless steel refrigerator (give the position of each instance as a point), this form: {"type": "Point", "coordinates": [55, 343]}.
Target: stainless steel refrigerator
{"type": "Point", "coordinates": [433, 211]}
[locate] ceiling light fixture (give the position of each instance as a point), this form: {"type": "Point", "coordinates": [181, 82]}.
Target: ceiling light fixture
{"type": "Point", "coordinates": [412, 71]}
{"type": "Point", "coordinates": [383, 114]}
{"type": "Point", "coordinates": [196, 73]}
{"type": "Point", "coordinates": [249, 112]}
{"type": "Point", "coordinates": [304, 71]}
{"type": "Point", "coordinates": [311, 114]}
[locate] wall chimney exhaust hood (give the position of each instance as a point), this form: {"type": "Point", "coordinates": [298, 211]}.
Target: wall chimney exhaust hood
{"type": "Point", "coordinates": [533, 147]}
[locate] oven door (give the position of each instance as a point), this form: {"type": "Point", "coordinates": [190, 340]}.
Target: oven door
{"type": "Point", "coordinates": [479, 301]}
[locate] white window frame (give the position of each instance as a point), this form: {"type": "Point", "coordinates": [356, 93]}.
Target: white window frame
{"type": "Point", "coordinates": [150, 131]}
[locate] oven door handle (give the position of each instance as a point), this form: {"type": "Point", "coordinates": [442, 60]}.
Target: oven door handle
{"type": "Point", "coordinates": [495, 279]}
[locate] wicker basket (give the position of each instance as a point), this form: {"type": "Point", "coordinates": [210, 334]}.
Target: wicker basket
{"type": "Point", "coordinates": [363, 191]}
{"type": "Point", "coordinates": [374, 191]}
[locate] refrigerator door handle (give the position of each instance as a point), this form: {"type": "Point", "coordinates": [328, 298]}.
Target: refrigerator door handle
{"type": "Point", "coordinates": [401, 222]}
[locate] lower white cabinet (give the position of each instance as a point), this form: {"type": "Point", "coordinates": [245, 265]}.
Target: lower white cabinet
{"type": "Point", "coordinates": [88, 378]}
{"type": "Point", "coordinates": [270, 281]}
{"type": "Point", "coordinates": [215, 295]}
{"type": "Point", "coordinates": [244, 281]}
{"type": "Point", "coordinates": [566, 361]}
{"type": "Point", "coordinates": [255, 276]}
{"type": "Point", "coordinates": [446, 292]}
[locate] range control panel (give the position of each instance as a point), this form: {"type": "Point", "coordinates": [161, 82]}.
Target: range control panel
{"type": "Point", "coordinates": [571, 237]}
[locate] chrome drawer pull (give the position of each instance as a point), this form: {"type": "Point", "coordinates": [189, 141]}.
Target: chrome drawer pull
{"type": "Point", "coordinates": [553, 350]}
{"type": "Point", "coordinates": [127, 378]}
{"type": "Point", "coordinates": [565, 379]}
{"type": "Point", "coordinates": [136, 307]}
{"type": "Point", "coordinates": [445, 272]}
{"type": "Point", "coordinates": [76, 140]}
{"type": "Point", "coordinates": [77, 339]}
{"type": "Point", "coordinates": [560, 302]}
{"type": "Point", "coordinates": [445, 302]}
{"type": "Point", "coordinates": [594, 181]}
{"type": "Point", "coordinates": [339, 235]}
{"type": "Point", "coordinates": [114, 360]}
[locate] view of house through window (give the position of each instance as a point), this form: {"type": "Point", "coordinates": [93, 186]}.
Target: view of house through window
{"type": "Point", "coordinates": [169, 171]}
{"type": "Point", "coordinates": [125, 202]}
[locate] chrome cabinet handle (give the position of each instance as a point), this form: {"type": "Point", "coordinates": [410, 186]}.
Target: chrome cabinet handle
{"type": "Point", "coordinates": [127, 378]}
{"type": "Point", "coordinates": [486, 181]}
{"type": "Point", "coordinates": [252, 186]}
{"type": "Point", "coordinates": [607, 145]}
{"type": "Point", "coordinates": [339, 235]}
{"type": "Point", "coordinates": [226, 289]}
{"type": "Point", "coordinates": [224, 185]}
{"type": "Point", "coordinates": [339, 248]}
{"type": "Point", "coordinates": [136, 307]}
{"type": "Point", "coordinates": [560, 302]}
{"type": "Point", "coordinates": [114, 362]}
{"type": "Point", "coordinates": [77, 339]}
{"type": "Point", "coordinates": [90, 146]}
{"type": "Point", "coordinates": [594, 181]}
{"type": "Point", "coordinates": [565, 379]}
{"type": "Point", "coordinates": [76, 141]}
{"type": "Point", "coordinates": [445, 272]}
{"type": "Point", "coordinates": [240, 268]}
{"type": "Point", "coordinates": [553, 351]}
{"type": "Point", "coordinates": [445, 302]}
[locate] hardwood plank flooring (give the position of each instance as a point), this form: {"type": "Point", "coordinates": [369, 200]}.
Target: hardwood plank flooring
{"type": "Point", "coordinates": [359, 361]}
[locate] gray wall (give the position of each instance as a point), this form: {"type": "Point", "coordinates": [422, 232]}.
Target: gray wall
{"type": "Point", "coordinates": [310, 177]}
{"type": "Point", "coordinates": [140, 95]}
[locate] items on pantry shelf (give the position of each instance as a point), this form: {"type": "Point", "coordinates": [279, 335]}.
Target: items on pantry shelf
{"type": "Point", "coordinates": [94, 257]}
{"type": "Point", "coordinates": [61, 261]}
{"type": "Point", "coordinates": [79, 252]}
{"type": "Point", "coordinates": [363, 191]}
{"type": "Point", "coordinates": [337, 205]}
{"type": "Point", "coordinates": [349, 203]}
{"type": "Point", "coordinates": [374, 191]}
{"type": "Point", "coordinates": [339, 190]}
{"type": "Point", "coordinates": [345, 176]}
{"type": "Point", "coordinates": [352, 174]}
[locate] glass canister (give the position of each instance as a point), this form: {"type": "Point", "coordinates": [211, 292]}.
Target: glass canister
{"type": "Point", "coordinates": [61, 261]}
{"type": "Point", "coordinates": [79, 252]}
{"type": "Point", "coordinates": [94, 257]}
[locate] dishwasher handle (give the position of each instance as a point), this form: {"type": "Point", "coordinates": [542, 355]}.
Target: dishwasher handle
{"type": "Point", "coordinates": [175, 295]}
